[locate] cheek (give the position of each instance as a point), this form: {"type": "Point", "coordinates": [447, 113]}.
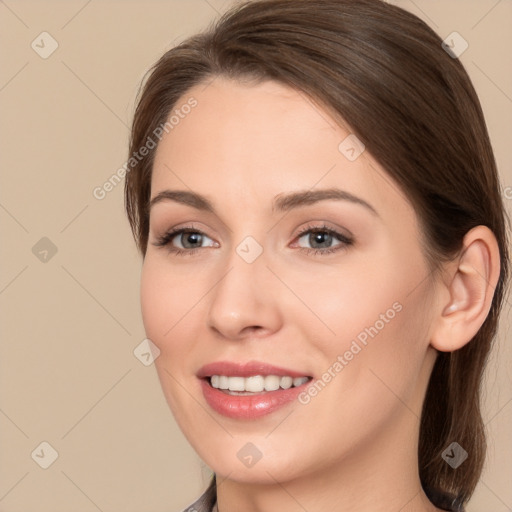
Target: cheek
{"type": "Point", "coordinates": [164, 300]}
{"type": "Point", "coordinates": [347, 299]}
{"type": "Point", "coordinates": [152, 299]}
{"type": "Point", "coordinates": [373, 310]}
{"type": "Point", "coordinates": [382, 339]}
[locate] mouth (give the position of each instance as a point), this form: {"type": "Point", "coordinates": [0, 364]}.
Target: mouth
{"type": "Point", "coordinates": [250, 390]}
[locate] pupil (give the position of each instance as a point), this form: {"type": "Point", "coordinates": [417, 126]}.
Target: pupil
{"type": "Point", "coordinates": [322, 238]}
{"type": "Point", "coordinates": [194, 237]}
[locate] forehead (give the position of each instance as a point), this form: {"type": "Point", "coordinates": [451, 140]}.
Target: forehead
{"type": "Point", "coordinates": [247, 143]}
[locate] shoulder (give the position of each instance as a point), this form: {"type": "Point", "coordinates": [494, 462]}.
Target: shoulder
{"type": "Point", "coordinates": [206, 501]}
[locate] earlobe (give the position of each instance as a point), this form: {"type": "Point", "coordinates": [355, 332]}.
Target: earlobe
{"type": "Point", "coordinates": [470, 290]}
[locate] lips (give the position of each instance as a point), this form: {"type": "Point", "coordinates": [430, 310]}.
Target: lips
{"type": "Point", "coordinates": [239, 404]}
{"type": "Point", "coordinates": [249, 369]}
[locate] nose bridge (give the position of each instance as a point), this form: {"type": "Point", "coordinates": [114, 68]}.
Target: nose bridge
{"type": "Point", "coordinates": [242, 297]}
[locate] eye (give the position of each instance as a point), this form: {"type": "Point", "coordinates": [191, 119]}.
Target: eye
{"type": "Point", "coordinates": [321, 239]}
{"type": "Point", "coordinates": [185, 240]}
{"type": "Point", "coordinates": [188, 240]}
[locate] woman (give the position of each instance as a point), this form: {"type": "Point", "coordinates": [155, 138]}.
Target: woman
{"type": "Point", "coordinates": [317, 205]}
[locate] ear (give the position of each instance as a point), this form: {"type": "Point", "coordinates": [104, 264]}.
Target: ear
{"type": "Point", "coordinates": [467, 291]}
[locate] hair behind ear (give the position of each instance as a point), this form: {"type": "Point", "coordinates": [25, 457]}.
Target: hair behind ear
{"type": "Point", "coordinates": [446, 418]}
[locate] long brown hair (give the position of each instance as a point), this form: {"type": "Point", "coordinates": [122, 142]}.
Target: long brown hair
{"type": "Point", "coordinates": [383, 71]}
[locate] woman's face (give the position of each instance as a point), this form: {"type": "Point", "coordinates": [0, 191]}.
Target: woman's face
{"type": "Point", "coordinates": [271, 287]}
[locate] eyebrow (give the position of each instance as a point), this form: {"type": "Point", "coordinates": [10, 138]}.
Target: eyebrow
{"type": "Point", "coordinates": [282, 202]}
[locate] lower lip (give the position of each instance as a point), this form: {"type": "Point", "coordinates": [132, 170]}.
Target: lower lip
{"type": "Point", "coordinates": [249, 406]}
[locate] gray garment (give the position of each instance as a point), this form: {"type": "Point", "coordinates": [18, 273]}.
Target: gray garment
{"type": "Point", "coordinates": [208, 500]}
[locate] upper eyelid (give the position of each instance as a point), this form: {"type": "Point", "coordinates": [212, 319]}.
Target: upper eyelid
{"type": "Point", "coordinates": [179, 230]}
{"type": "Point", "coordinates": [323, 227]}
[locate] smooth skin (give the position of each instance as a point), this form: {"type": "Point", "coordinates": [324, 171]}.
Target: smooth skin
{"type": "Point", "coordinates": [353, 447]}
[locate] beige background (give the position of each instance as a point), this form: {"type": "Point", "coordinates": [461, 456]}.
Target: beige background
{"type": "Point", "coordinates": [70, 325]}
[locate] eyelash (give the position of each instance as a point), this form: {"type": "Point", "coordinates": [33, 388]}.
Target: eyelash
{"type": "Point", "coordinates": [166, 238]}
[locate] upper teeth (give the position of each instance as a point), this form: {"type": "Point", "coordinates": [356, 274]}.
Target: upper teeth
{"type": "Point", "coordinates": [256, 383]}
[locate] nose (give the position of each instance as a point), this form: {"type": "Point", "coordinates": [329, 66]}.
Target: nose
{"type": "Point", "coordinates": [245, 301]}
